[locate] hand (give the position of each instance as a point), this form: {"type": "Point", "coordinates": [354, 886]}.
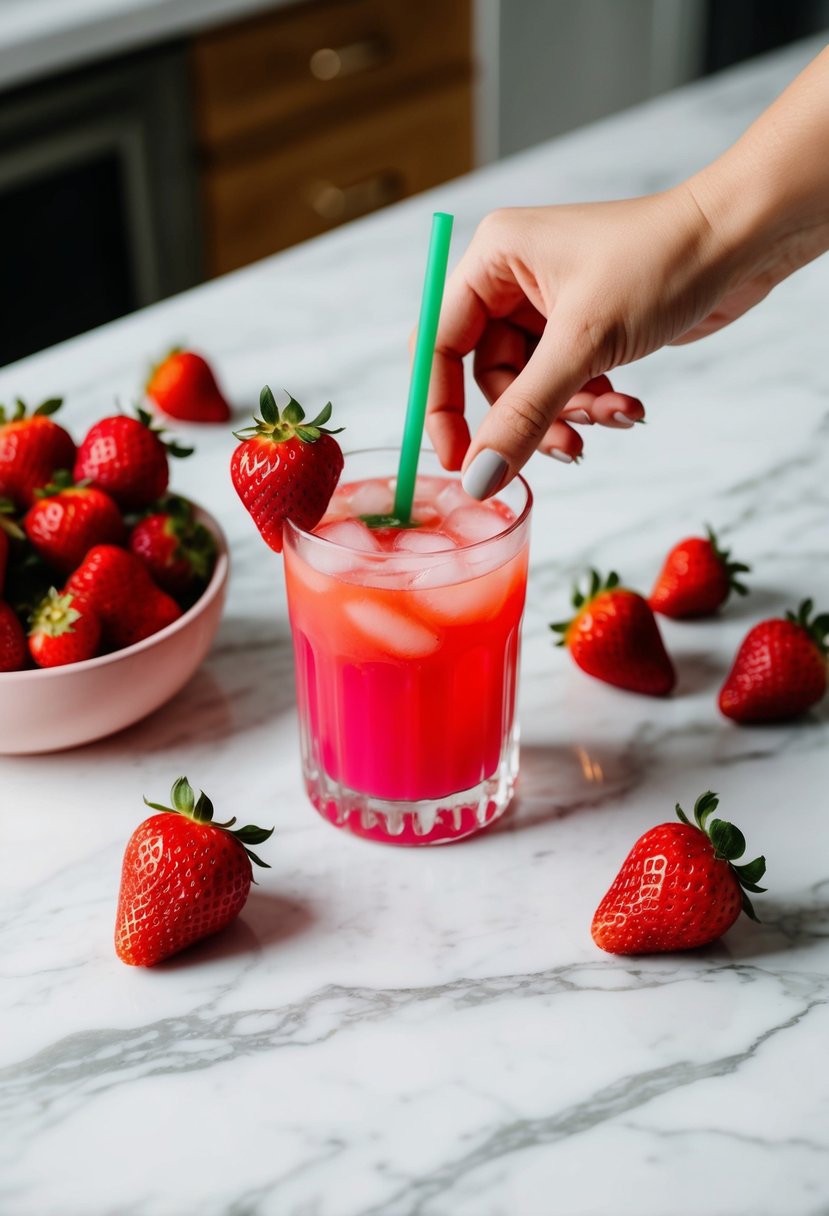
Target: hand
{"type": "Point", "coordinates": [550, 299]}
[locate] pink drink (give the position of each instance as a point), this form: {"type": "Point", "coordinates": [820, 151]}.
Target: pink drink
{"type": "Point", "coordinates": [406, 645]}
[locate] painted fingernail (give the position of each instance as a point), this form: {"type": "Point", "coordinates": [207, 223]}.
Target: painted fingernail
{"type": "Point", "coordinates": [580, 417]}
{"type": "Point", "coordinates": [557, 454]}
{"type": "Point", "coordinates": [485, 475]}
{"type": "Point", "coordinates": [622, 419]}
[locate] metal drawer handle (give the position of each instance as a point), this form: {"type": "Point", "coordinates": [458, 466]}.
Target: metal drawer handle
{"type": "Point", "coordinates": [331, 63]}
{"type": "Point", "coordinates": [338, 203]}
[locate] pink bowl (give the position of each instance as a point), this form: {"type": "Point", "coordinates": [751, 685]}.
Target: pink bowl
{"type": "Point", "coordinates": [60, 707]}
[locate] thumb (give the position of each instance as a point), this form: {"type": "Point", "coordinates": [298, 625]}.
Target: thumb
{"type": "Point", "coordinates": [519, 419]}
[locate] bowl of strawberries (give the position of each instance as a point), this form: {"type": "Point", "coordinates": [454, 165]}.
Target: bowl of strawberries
{"type": "Point", "coordinates": [111, 588]}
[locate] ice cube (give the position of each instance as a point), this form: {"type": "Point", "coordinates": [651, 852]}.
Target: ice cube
{"type": "Point", "coordinates": [351, 534]}
{"type": "Point", "coordinates": [443, 570]}
{"type": "Point", "coordinates": [426, 515]}
{"type": "Point", "coordinates": [422, 540]}
{"type": "Point", "coordinates": [390, 631]}
{"type": "Point", "coordinates": [372, 498]}
{"type": "Point", "coordinates": [469, 525]}
{"type": "Point", "coordinates": [349, 538]}
{"type": "Point", "coordinates": [451, 497]}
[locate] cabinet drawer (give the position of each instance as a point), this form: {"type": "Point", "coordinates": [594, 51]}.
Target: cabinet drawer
{"type": "Point", "coordinates": [294, 67]}
{"type": "Point", "coordinates": [256, 206]}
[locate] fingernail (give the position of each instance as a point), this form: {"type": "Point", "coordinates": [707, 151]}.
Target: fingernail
{"type": "Point", "coordinates": [485, 475]}
{"type": "Point", "coordinates": [557, 454]}
{"type": "Point", "coordinates": [581, 417]}
{"type": "Point", "coordinates": [622, 419]}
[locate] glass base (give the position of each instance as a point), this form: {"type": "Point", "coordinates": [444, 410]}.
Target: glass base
{"type": "Point", "coordinates": [422, 822]}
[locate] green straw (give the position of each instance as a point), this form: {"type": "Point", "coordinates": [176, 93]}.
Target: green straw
{"type": "Point", "coordinates": [427, 330]}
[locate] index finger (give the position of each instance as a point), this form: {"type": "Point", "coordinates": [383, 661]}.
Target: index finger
{"type": "Point", "coordinates": [463, 319]}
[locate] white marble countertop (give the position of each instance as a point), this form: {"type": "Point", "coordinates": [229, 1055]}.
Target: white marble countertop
{"type": "Point", "coordinates": [433, 1032]}
{"type": "Point", "coordinates": [40, 37]}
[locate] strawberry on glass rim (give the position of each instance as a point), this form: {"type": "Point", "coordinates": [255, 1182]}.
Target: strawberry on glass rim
{"type": "Point", "coordinates": [285, 467]}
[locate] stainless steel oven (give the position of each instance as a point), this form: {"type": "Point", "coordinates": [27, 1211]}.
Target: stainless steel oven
{"type": "Point", "coordinates": [98, 201]}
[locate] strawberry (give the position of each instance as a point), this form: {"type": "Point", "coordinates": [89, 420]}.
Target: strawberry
{"type": "Point", "coordinates": [31, 449]}
{"type": "Point", "coordinates": [780, 669]}
{"type": "Point", "coordinates": [614, 637]}
{"type": "Point", "coordinates": [183, 386]}
{"type": "Point", "coordinates": [679, 886]}
{"type": "Point", "coordinates": [13, 650]}
{"type": "Point", "coordinates": [286, 468]}
{"type": "Point", "coordinates": [127, 458]}
{"type": "Point", "coordinates": [117, 587]}
{"type": "Point", "coordinates": [184, 877]}
{"type": "Point", "coordinates": [67, 520]}
{"type": "Point", "coordinates": [696, 579]}
{"type": "Point", "coordinates": [64, 630]}
{"type": "Point", "coordinates": [178, 552]}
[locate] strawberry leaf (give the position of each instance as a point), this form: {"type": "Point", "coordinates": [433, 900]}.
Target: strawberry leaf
{"type": "Point", "coordinates": [322, 417]}
{"type": "Point", "coordinates": [704, 805]}
{"type": "Point", "coordinates": [256, 860]}
{"type": "Point", "coordinates": [680, 814]}
{"type": "Point", "coordinates": [203, 810]}
{"type": "Point", "coordinates": [50, 406]}
{"type": "Point", "coordinates": [182, 795]}
{"type": "Point", "coordinates": [293, 412]}
{"type": "Point", "coordinates": [268, 407]}
{"type": "Point", "coordinates": [729, 842]}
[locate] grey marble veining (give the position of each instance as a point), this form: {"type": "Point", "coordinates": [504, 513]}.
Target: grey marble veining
{"type": "Point", "coordinates": [433, 1032]}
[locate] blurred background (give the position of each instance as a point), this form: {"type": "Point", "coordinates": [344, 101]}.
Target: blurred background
{"type": "Point", "coordinates": [146, 145]}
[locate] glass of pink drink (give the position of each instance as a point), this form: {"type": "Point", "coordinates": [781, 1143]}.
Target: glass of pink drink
{"type": "Point", "coordinates": [406, 644]}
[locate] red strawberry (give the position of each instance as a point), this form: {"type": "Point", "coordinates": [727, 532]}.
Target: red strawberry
{"type": "Point", "coordinates": [184, 878]}
{"type": "Point", "coordinates": [14, 652]}
{"type": "Point", "coordinates": [697, 578]}
{"type": "Point", "coordinates": [286, 468]}
{"type": "Point", "coordinates": [127, 458]}
{"type": "Point", "coordinates": [68, 520]}
{"type": "Point", "coordinates": [780, 669]}
{"type": "Point", "coordinates": [31, 449]}
{"type": "Point", "coordinates": [119, 589]}
{"type": "Point", "coordinates": [64, 630]}
{"type": "Point", "coordinates": [614, 637]}
{"type": "Point", "coordinates": [183, 386]}
{"type": "Point", "coordinates": [178, 552]}
{"type": "Point", "coordinates": [679, 886]}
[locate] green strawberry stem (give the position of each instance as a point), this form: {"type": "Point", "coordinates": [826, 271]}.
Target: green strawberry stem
{"type": "Point", "coordinates": [580, 600]}
{"type": "Point", "coordinates": [174, 448]}
{"type": "Point", "coordinates": [732, 569]}
{"type": "Point", "coordinates": [7, 524]}
{"type": "Point", "coordinates": [729, 844]}
{"type": "Point", "coordinates": [200, 810]}
{"type": "Point", "coordinates": [62, 479]}
{"type": "Point", "coordinates": [50, 406]}
{"type": "Point", "coordinates": [817, 629]}
{"type": "Point", "coordinates": [55, 614]}
{"type": "Point", "coordinates": [290, 424]}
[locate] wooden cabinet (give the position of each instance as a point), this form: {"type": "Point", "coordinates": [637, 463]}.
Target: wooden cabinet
{"type": "Point", "coordinates": [319, 113]}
